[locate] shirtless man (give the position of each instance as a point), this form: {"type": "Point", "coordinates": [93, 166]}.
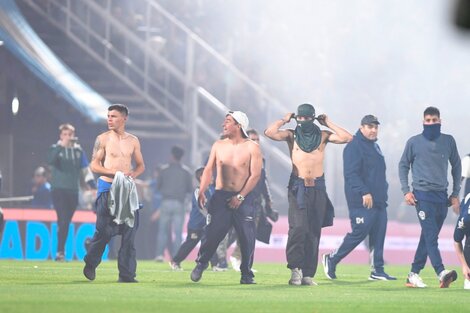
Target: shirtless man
{"type": "Point", "coordinates": [113, 154]}
{"type": "Point", "coordinates": [237, 161]}
{"type": "Point", "coordinates": [309, 206]}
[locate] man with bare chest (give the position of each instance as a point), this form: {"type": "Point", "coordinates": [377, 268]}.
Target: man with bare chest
{"type": "Point", "coordinates": [117, 202]}
{"type": "Point", "coordinates": [309, 206]}
{"type": "Point", "coordinates": [237, 163]}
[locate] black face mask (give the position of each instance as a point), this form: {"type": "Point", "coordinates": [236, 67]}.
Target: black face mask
{"type": "Point", "coordinates": [307, 135]}
{"type": "Point", "coordinates": [431, 132]}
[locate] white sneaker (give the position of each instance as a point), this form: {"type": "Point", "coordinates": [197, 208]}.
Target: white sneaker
{"type": "Point", "coordinates": [446, 277]}
{"type": "Point", "coordinates": [414, 281]}
{"type": "Point", "coordinates": [235, 263]}
{"type": "Point", "coordinates": [466, 284]}
{"type": "Point", "coordinates": [295, 277]}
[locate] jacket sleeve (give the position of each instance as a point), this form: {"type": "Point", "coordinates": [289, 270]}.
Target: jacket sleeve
{"type": "Point", "coordinates": [404, 167]}
{"type": "Point", "coordinates": [352, 164]}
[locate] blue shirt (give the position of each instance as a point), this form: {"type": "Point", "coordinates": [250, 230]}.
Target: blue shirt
{"type": "Point", "coordinates": [462, 228]}
{"type": "Point", "coordinates": [197, 220]}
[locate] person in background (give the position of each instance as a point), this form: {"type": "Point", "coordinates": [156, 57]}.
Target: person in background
{"type": "Point", "coordinates": [196, 224]}
{"type": "Point", "coordinates": [466, 173]}
{"type": "Point", "coordinates": [428, 156]}
{"type": "Point", "coordinates": [175, 184]}
{"type": "Point", "coordinates": [67, 161]}
{"type": "Point", "coordinates": [461, 231]}
{"type": "Point", "coordinates": [41, 190]}
{"type": "Point", "coordinates": [309, 206]}
{"type": "Point", "coordinates": [366, 188]}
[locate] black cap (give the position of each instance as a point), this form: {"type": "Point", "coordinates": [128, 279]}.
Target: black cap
{"type": "Point", "coordinates": [370, 119]}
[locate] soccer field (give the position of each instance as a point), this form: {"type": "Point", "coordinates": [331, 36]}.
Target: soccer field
{"type": "Point", "coordinates": [60, 287]}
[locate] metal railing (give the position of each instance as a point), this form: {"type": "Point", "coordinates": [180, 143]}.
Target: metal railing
{"type": "Point", "coordinates": [188, 84]}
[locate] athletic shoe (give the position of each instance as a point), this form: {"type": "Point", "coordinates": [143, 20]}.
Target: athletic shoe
{"type": "Point", "coordinates": [175, 266]}
{"type": "Point", "coordinates": [247, 280]}
{"type": "Point", "coordinates": [235, 263]}
{"type": "Point", "coordinates": [308, 281]}
{"type": "Point", "coordinates": [60, 257]}
{"type": "Point", "coordinates": [414, 281]}
{"type": "Point", "coordinates": [127, 280]}
{"type": "Point", "coordinates": [466, 284]}
{"type": "Point", "coordinates": [381, 276]}
{"type": "Point", "coordinates": [218, 268]}
{"type": "Point", "coordinates": [196, 274]}
{"type": "Point", "coordinates": [89, 272]}
{"type": "Point", "coordinates": [295, 277]}
{"type": "Point", "coordinates": [446, 277]}
{"type": "Point", "coordinates": [329, 267]}
{"type": "Point", "coordinates": [159, 258]}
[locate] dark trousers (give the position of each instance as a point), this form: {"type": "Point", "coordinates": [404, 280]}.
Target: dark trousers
{"type": "Point", "coordinates": [65, 203]}
{"type": "Point", "coordinates": [305, 224]}
{"type": "Point", "coordinates": [105, 230]}
{"type": "Point", "coordinates": [192, 239]}
{"type": "Point", "coordinates": [365, 222]}
{"type": "Point", "coordinates": [466, 250]}
{"type": "Point", "coordinates": [431, 216]}
{"type": "Point", "coordinates": [222, 218]}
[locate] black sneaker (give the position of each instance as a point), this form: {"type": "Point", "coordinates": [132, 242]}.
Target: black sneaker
{"type": "Point", "coordinates": [329, 267]}
{"type": "Point", "coordinates": [247, 280]}
{"type": "Point", "coordinates": [89, 272]}
{"type": "Point", "coordinates": [196, 274]}
{"type": "Point", "coordinates": [446, 277]}
{"type": "Point", "coordinates": [127, 280]}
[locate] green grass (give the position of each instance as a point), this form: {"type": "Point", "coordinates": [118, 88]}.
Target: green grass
{"type": "Point", "coordinates": [60, 287]}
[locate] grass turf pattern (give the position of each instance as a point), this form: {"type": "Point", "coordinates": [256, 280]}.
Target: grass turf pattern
{"type": "Point", "coordinates": [27, 286]}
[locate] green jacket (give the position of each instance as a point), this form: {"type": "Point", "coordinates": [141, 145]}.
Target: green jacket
{"type": "Point", "coordinates": [66, 164]}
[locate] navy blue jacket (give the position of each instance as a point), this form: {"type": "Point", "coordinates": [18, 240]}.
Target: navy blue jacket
{"type": "Point", "coordinates": [364, 172]}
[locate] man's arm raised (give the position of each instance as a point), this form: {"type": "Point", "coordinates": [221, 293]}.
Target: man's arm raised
{"type": "Point", "coordinates": [340, 134]}
{"type": "Point", "coordinates": [277, 134]}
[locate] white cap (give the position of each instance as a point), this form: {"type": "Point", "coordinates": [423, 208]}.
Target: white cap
{"type": "Point", "coordinates": [241, 119]}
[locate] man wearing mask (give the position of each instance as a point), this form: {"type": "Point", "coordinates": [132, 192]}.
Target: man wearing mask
{"type": "Point", "coordinates": [428, 156]}
{"type": "Point", "coordinates": [309, 206]}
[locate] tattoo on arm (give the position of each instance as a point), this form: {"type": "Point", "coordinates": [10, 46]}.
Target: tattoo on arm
{"type": "Point", "coordinates": [96, 148]}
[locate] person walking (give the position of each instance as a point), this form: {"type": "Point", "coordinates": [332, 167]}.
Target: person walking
{"type": "Point", "coordinates": [428, 156]}
{"type": "Point", "coordinates": [366, 187]}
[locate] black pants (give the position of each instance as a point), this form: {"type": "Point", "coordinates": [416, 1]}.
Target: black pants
{"type": "Point", "coordinates": [305, 226]}
{"type": "Point", "coordinates": [65, 203]}
{"type": "Point", "coordinates": [105, 230]}
{"type": "Point", "coordinates": [466, 250]}
{"type": "Point", "coordinates": [222, 219]}
{"type": "Point", "coordinates": [192, 239]}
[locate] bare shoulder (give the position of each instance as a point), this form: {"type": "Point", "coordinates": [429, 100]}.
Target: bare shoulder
{"type": "Point", "coordinates": [251, 145]}
{"type": "Point", "coordinates": [132, 137]}
{"type": "Point", "coordinates": [325, 135]}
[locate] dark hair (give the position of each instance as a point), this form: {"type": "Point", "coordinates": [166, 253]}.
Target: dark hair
{"type": "Point", "coordinates": [120, 108]}
{"type": "Point", "coordinates": [177, 152]}
{"type": "Point", "coordinates": [432, 111]}
{"type": "Point", "coordinates": [252, 131]}
{"type": "Point", "coordinates": [198, 173]}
